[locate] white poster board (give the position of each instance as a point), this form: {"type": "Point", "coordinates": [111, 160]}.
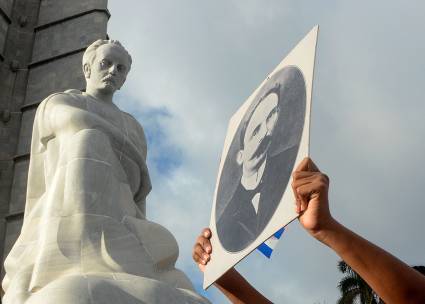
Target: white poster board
{"type": "Point", "coordinates": [266, 138]}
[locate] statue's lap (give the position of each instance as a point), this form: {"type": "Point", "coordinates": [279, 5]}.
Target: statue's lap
{"type": "Point", "coordinates": [111, 288]}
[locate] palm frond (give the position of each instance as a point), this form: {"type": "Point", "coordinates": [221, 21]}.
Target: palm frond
{"type": "Point", "coordinates": [348, 297]}
{"type": "Point", "coordinates": [342, 266]}
{"type": "Point", "coordinates": [353, 288]}
{"type": "Point", "coordinates": [348, 283]}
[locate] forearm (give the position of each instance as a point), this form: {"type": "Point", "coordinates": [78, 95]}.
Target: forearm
{"type": "Point", "coordinates": [390, 278]}
{"type": "Point", "coordinates": [238, 290]}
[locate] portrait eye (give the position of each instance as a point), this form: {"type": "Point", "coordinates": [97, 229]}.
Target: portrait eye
{"type": "Point", "coordinates": [255, 132]}
{"type": "Point", "coordinates": [272, 113]}
{"type": "Point", "coordinates": [121, 68]}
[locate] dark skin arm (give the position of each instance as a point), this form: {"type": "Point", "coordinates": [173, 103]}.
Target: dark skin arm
{"type": "Point", "coordinates": [394, 281]}
{"type": "Point", "coordinates": [231, 284]}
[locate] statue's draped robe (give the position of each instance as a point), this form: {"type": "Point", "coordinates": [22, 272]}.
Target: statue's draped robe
{"type": "Point", "coordinates": [85, 238]}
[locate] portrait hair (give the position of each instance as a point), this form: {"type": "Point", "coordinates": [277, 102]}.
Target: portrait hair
{"type": "Point", "coordinates": [90, 53]}
{"type": "Point", "coordinates": [275, 90]}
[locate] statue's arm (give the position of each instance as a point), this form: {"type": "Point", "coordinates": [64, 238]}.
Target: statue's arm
{"type": "Point", "coordinates": [139, 139]}
{"type": "Point", "coordinates": [142, 137]}
{"type": "Point", "coordinates": [45, 127]}
{"type": "Point", "coordinates": [144, 150]}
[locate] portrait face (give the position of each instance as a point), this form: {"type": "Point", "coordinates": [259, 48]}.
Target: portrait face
{"type": "Point", "coordinates": [259, 130]}
{"type": "Point", "coordinates": [109, 69]}
{"type": "Point", "coordinates": [270, 129]}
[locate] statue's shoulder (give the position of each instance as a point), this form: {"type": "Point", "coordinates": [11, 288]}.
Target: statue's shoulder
{"type": "Point", "coordinates": [67, 97]}
{"type": "Point", "coordinates": [73, 92]}
{"type": "Point", "coordinates": [129, 117]}
{"type": "Point", "coordinates": [132, 119]}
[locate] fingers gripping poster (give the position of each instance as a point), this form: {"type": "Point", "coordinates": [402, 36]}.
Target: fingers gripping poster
{"type": "Point", "coordinates": [266, 137]}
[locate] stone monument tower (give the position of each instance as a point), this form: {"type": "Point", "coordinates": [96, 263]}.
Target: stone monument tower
{"type": "Point", "coordinates": [76, 232]}
{"type": "Point", "coordinates": [39, 39]}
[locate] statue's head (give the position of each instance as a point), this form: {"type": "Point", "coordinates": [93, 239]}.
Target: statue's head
{"type": "Point", "coordinates": [106, 64]}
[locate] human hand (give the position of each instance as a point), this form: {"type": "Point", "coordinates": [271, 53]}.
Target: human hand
{"type": "Point", "coordinates": [310, 188]}
{"type": "Point", "coordinates": [202, 249]}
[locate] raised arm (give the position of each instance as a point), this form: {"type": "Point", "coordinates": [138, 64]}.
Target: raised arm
{"type": "Point", "coordinates": [390, 278]}
{"type": "Point", "coordinates": [231, 284]}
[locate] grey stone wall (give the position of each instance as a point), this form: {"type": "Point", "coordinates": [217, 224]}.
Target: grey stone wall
{"type": "Point", "coordinates": [53, 10]}
{"type": "Point", "coordinates": [9, 132]}
{"type": "Point", "coordinates": [4, 25]}
{"type": "Point", "coordinates": [24, 142]}
{"type": "Point", "coordinates": [6, 6]}
{"type": "Point", "coordinates": [68, 36]}
{"type": "Point", "coordinates": [41, 47]}
{"type": "Point", "coordinates": [6, 169]}
{"type": "Point", "coordinates": [19, 186]}
{"type": "Point", "coordinates": [49, 78]}
{"type": "Point", "coordinates": [5, 12]}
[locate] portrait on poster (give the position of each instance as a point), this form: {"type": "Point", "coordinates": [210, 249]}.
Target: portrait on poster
{"type": "Point", "coordinates": [266, 137]}
{"type": "Point", "coordinates": [260, 159]}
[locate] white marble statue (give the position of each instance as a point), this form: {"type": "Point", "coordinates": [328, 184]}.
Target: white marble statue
{"type": "Point", "coordinates": [85, 238]}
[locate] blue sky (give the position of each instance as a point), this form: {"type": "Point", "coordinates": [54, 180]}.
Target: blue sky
{"type": "Point", "coordinates": [195, 63]}
{"type": "Point", "coordinates": [164, 157]}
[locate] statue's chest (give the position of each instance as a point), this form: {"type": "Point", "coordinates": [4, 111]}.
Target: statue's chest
{"type": "Point", "coordinates": [90, 115]}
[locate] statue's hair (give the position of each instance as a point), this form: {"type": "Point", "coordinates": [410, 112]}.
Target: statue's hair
{"type": "Point", "coordinates": [90, 52]}
{"type": "Point", "coordinates": [247, 118]}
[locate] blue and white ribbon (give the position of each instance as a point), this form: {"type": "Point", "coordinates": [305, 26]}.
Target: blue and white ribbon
{"type": "Point", "coordinates": [267, 247]}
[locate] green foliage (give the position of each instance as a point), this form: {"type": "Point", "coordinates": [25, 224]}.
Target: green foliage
{"type": "Point", "coordinates": [353, 288]}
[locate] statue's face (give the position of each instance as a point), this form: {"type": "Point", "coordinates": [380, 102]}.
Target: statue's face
{"type": "Point", "coordinates": [258, 133]}
{"type": "Point", "coordinates": [109, 69]}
